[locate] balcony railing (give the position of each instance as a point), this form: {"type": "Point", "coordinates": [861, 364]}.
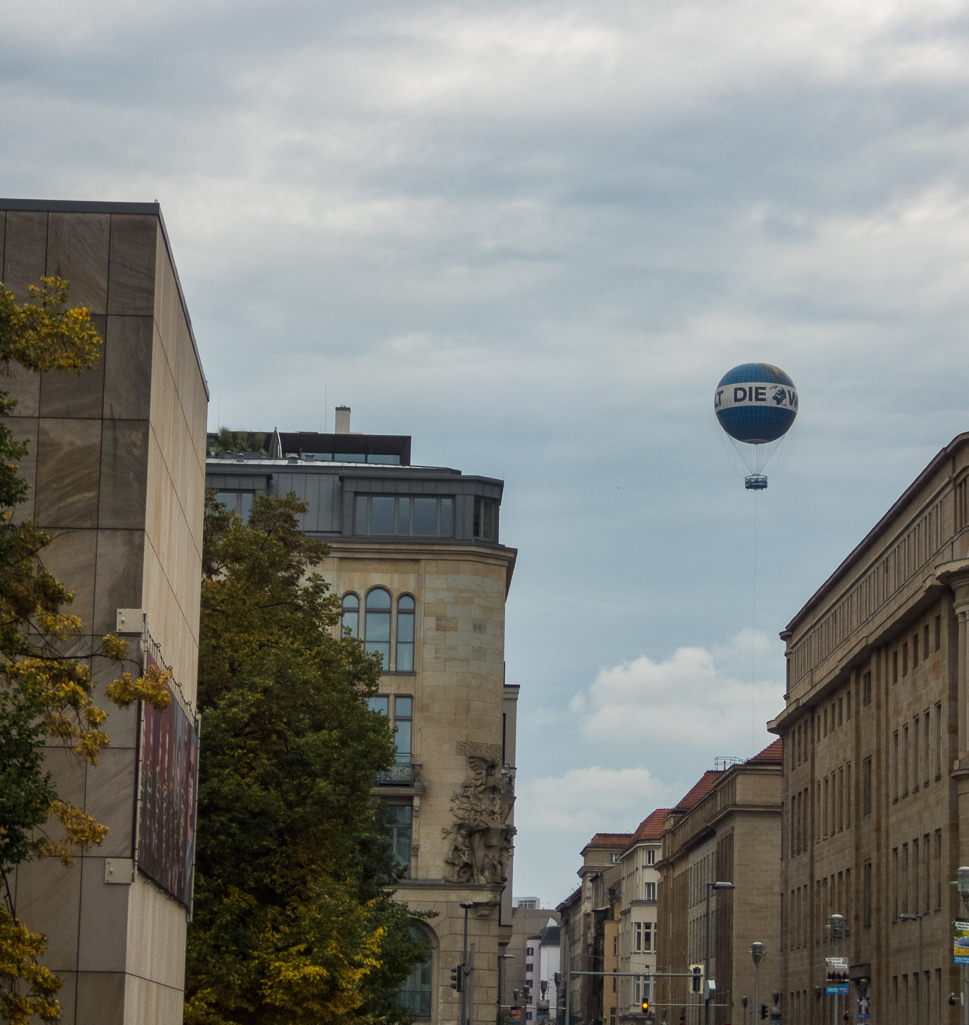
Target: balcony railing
{"type": "Point", "coordinates": [404, 773]}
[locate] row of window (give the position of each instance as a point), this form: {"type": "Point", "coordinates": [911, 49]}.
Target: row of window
{"type": "Point", "coordinates": [917, 875]}
{"type": "Point", "coordinates": [917, 753]}
{"type": "Point", "coordinates": [396, 515]}
{"type": "Point", "coordinates": [377, 629]}
{"type": "Point", "coordinates": [420, 516]}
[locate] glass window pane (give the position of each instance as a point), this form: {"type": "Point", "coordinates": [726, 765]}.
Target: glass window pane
{"type": "Point", "coordinates": [405, 602]}
{"type": "Point", "coordinates": [403, 707]}
{"type": "Point", "coordinates": [378, 598]}
{"type": "Point", "coordinates": [402, 738]}
{"type": "Point", "coordinates": [488, 520]}
{"type": "Point", "coordinates": [403, 515]}
{"type": "Point", "coordinates": [381, 515]}
{"type": "Point", "coordinates": [405, 627]}
{"type": "Point", "coordinates": [360, 518]}
{"type": "Point", "coordinates": [425, 517]}
{"type": "Point", "coordinates": [245, 504]}
{"type": "Point", "coordinates": [351, 616]}
{"type": "Point", "coordinates": [447, 517]}
{"type": "Point", "coordinates": [378, 704]}
{"type": "Point", "coordinates": [405, 657]}
{"type": "Point", "coordinates": [378, 627]}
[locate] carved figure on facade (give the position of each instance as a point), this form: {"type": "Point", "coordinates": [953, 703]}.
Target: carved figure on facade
{"type": "Point", "coordinates": [480, 836]}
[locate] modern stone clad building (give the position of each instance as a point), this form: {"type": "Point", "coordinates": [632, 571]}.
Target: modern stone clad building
{"type": "Point", "coordinates": [726, 829]}
{"type": "Point", "coordinates": [415, 557]}
{"type": "Point", "coordinates": [116, 474]}
{"type": "Point", "coordinates": [876, 770]}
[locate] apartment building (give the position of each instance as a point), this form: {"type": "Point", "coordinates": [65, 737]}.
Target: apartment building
{"type": "Point", "coordinates": [876, 770]}
{"type": "Point", "coordinates": [416, 559]}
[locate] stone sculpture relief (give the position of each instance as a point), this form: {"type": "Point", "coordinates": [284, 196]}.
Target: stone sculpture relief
{"type": "Point", "coordinates": [480, 837]}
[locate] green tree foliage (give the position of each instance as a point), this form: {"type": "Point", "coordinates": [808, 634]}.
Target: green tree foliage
{"type": "Point", "coordinates": [291, 921]}
{"type": "Point", "coordinates": [44, 697]}
{"type": "Point", "coordinates": [239, 441]}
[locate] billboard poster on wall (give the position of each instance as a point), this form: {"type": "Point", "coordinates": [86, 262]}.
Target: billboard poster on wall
{"type": "Point", "coordinates": [960, 943]}
{"type": "Point", "coordinates": [169, 782]}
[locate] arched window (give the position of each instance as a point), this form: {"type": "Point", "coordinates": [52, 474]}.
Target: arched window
{"type": "Point", "coordinates": [415, 994]}
{"type": "Point", "coordinates": [405, 634]}
{"type": "Point", "coordinates": [351, 615]}
{"type": "Point", "coordinates": [377, 624]}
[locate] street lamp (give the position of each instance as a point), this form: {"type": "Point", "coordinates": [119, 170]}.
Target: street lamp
{"type": "Point", "coordinates": [836, 927]}
{"type": "Point", "coordinates": [921, 995]}
{"type": "Point", "coordinates": [962, 884]}
{"type": "Point", "coordinates": [757, 952]}
{"type": "Point", "coordinates": [706, 955]}
{"type": "Point", "coordinates": [501, 978]}
{"type": "Point", "coordinates": [467, 905]}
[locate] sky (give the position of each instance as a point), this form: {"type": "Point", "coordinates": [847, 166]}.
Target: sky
{"type": "Point", "coordinates": [534, 236]}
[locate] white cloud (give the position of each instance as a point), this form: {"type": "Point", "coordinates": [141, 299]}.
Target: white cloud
{"type": "Point", "coordinates": [694, 699]}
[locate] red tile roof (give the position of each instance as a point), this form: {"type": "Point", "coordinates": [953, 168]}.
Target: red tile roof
{"type": "Point", "coordinates": [608, 840]}
{"type": "Point", "coordinates": [699, 791]}
{"type": "Point", "coordinates": [651, 828]}
{"type": "Point", "coordinates": [773, 754]}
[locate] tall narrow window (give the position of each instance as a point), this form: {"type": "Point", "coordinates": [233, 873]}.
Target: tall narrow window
{"type": "Point", "coordinates": [938, 870]}
{"type": "Point", "coordinates": [926, 735]}
{"type": "Point", "coordinates": [866, 786]}
{"type": "Point", "coordinates": [926, 857]}
{"type": "Point", "coordinates": [895, 666]}
{"type": "Point", "coordinates": [866, 895]}
{"type": "Point", "coordinates": [905, 761]}
{"type": "Point", "coordinates": [485, 519]}
{"type": "Point", "coordinates": [351, 615]}
{"type": "Point", "coordinates": [403, 720]}
{"type": "Point", "coordinates": [905, 659]}
{"type": "Point", "coordinates": [866, 688]}
{"type": "Point", "coordinates": [915, 650]}
{"type": "Point", "coordinates": [841, 799]}
{"type": "Point", "coordinates": [938, 632]}
{"type": "Point", "coordinates": [848, 796]}
{"type": "Point", "coordinates": [916, 764]}
{"type": "Point", "coordinates": [895, 754]}
{"type": "Point", "coordinates": [938, 740]}
{"type": "Point", "coordinates": [401, 817]}
{"type": "Point", "coordinates": [925, 641]}
{"type": "Point", "coordinates": [416, 992]}
{"type": "Point", "coordinates": [377, 624]}
{"type": "Point", "coordinates": [405, 634]}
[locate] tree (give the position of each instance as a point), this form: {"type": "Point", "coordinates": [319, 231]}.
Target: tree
{"type": "Point", "coordinates": [292, 922]}
{"type": "Point", "coordinates": [44, 697]}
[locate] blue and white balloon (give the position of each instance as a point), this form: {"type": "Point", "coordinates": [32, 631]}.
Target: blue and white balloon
{"type": "Point", "coordinates": [756, 403]}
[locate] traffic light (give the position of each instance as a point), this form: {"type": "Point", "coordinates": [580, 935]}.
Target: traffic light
{"type": "Point", "coordinates": [696, 983]}
{"type": "Point", "coordinates": [457, 978]}
{"type": "Point", "coordinates": [645, 1007]}
{"type": "Point", "coordinates": [764, 1010]}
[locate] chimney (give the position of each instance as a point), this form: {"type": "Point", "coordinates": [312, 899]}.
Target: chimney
{"type": "Point", "coordinates": [342, 420]}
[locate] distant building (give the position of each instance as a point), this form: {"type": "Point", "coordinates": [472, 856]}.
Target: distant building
{"type": "Point", "coordinates": [726, 829]}
{"type": "Point", "coordinates": [416, 559]}
{"type": "Point", "coordinates": [584, 915]}
{"type": "Point", "coordinates": [638, 922]}
{"type": "Point", "coordinates": [116, 469]}
{"type": "Point", "coordinates": [876, 773]}
{"type": "Point", "coordinates": [523, 972]}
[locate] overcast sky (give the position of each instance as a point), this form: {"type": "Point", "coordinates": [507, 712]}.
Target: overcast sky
{"type": "Point", "coordinates": [534, 236]}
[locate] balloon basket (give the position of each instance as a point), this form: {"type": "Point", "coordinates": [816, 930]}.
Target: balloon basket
{"type": "Point", "coordinates": [755, 482]}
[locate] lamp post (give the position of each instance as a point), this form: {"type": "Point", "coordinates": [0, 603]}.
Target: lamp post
{"type": "Point", "coordinates": [836, 926]}
{"type": "Point", "coordinates": [757, 952]}
{"type": "Point", "coordinates": [920, 1015]}
{"type": "Point", "coordinates": [501, 979]}
{"type": "Point", "coordinates": [706, 955]}
{"type": "Point", "coordinates": [468, 905]}
{"type": "Point", "coordinates": [962, 884]}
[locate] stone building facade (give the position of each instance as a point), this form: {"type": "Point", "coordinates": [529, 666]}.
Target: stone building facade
{"type": "Point", "coordinates": [116, 474]}
{"type": "Point", "coordinates": [876, 774]}
{"type": "Point", "coordinates": [589, 915]}
{"type": "Point", "coordinates": [638, 926]}
{"type": "Point", "coordinates": [726, 829]}
{"type": "Point", "coordinates": [416, 559]}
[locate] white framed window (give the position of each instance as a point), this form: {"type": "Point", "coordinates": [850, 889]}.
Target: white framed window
{"type": "Point", "coordinates": [650, 891]}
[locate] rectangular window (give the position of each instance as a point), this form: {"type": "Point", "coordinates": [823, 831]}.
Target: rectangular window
{"type": "Point", "coordinates": [903, 882]}
{"type": "Point", "coordinates": [895, 666]}
{"type": "Point", "coordinates": [866, 786]}
{"type": "Point", "coordinates": [840, 710]}
{"type": "Point", "coordinates": [925, 642]}
{"type": "Point", "coordinates": [403, 516]}
{"type": "Point", "coordinates": [486, 519]}
{"type": "Point", "coordinates": [938, 632]}
{"type": "Point", "coordinates": [848, 796]}
{"type": "Point", "coordinates": [639, 936]}
{"type": "Point", "coordinates": [895, 754]}
{"type": "Point", "coordinates": [649, 936]}
{"type": "Point", "coordinates": [401, 831]}
{"type": "Point", "coordinates": [848, 706]}
{"type": "Point", "coordinates": [926, 732]}
{"type": "Point", "coordinates": [916, 764]}
{"type": "Point", "coordinates": [905, 659]}
{"type": "Point", "coordinates": [841, 799]}
{"type": "Point", "coordinates": [926, 856]}
{"type": "Point", "coordinates": [895, 884]}
{"type": "Point", "coordinates": [651, 891]}
{"type": "Point", "coordinates": [866, 895]}
{"type": "Point", "coordinates": [905, 761]}
{"type": "Point", "coordinates": [938, 869]}
{"type": "Point", "coordinates": [938, 740]}
{"type": "Point", "coordinates": [239, 502]}
{"type": "Point", "coordinates": [650, 856]}
{"type": "Point", "coordinates": [915, 650]}
{"type": "Point", "coordinates": [866, 689]}
{"type": "Point", "coordinates": [403, 720]}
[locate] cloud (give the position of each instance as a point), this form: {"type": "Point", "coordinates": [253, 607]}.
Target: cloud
{"type": "Point", "coordinates": [693, 699]}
